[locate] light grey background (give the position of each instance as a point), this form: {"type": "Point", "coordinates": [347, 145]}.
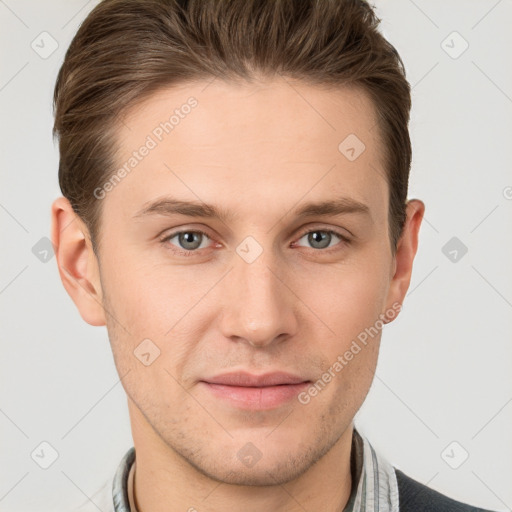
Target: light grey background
{"type": "Point", "coordinates": [444, 372]}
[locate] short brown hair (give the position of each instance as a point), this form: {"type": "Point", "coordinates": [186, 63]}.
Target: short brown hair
{"type": "Point", "coordinates": [127, 49]}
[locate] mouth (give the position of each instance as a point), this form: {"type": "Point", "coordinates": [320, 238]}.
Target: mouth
{"type": "Point", "coordinates": [259, 392]}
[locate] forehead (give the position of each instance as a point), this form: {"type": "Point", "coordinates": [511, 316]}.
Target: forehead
{"type": "Point", "coordinates": [249, 142]}
{"type": "Point", "coordinates": [275, 112]}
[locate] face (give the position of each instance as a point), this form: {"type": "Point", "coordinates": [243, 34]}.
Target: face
{"type": "Point", "coordinates": [258, 281]}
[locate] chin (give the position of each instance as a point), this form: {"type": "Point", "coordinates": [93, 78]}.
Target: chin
{"type": "Point", "coordinates": [260, 475]}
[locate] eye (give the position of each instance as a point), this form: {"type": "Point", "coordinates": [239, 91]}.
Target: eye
{"type": "Point", "coordinates": [188, 241]}
{"type": "Point", "coordinates": [322, 238]}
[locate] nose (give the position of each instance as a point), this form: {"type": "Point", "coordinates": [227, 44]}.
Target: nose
{"type": "Point", "coordinates": [258, 306]}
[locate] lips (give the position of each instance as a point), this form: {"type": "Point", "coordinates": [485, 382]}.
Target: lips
{"type": "Point", "coordinates": [244, 379]}
{"type": "Point", "coordinates": [257, 392]}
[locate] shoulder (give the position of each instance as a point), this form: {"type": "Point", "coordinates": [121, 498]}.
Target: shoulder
{"type": "Point", "coordinates": [416, 497]}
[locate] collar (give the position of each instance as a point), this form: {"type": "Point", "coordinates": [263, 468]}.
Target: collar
{"type": "Point", "coordinates": [374, 483]}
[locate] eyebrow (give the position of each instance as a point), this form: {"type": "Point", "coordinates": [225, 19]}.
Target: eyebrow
{"type": "Point", "coordinates": [169, 206]}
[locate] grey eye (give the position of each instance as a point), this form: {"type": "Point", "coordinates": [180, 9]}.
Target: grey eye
{"type": "Point", "coordinates": [321, 238]}
{"type": "Point", "coordinates": [189, 240]}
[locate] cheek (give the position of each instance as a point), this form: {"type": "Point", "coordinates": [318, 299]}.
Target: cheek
{"type": "Point", "coordinates": [148, 300]}
{"type": "Point", "coordinates": [152, 311]}
{"type": "Point", "coordinates": [350, 300]}
{"type": "Point", "coordinates": [149, 358]}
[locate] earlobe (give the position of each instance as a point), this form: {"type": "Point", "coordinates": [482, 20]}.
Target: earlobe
{"type": "Point", "coordinates": [77, 263]}
{"type": "Point", "coordinates": [405, 253]}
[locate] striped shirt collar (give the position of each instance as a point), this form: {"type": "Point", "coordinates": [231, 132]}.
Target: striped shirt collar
{"type": "Point", "coordinates": [376, 489]}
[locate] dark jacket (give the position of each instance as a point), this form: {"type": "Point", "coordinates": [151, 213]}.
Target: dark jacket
{"type": "Point", "coordinates": [416, 497]}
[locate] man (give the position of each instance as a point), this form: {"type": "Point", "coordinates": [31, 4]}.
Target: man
{"type": "Point", "coordinates": [235, 180]}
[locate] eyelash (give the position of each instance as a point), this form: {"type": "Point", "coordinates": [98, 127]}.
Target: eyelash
{"type": "Point", "coordinates": [181, 252]}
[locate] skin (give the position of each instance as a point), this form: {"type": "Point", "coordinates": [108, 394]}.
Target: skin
{"type": "Point", "coordinates": [259, 151]}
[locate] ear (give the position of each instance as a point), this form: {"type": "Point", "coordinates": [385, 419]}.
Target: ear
{"type": "Point", "coordinates": [404, 257]}
{"type": "Point", "coordinates": [77, 263]}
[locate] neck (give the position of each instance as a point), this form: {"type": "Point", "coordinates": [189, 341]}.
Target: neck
{"type": "Point", "coordinates": [165, 481]}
